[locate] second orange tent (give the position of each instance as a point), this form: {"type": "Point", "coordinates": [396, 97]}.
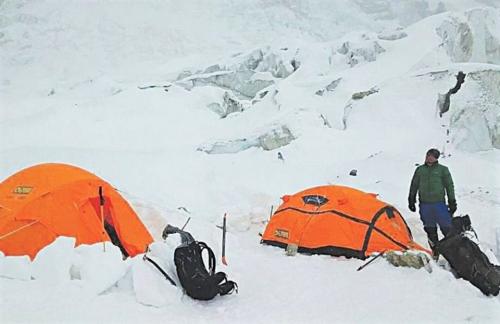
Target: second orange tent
{"type": "Point", "coordinates": [340, 221]}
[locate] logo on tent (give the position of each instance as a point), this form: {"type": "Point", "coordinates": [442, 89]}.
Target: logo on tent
{"type": "Point", "coordinates": [22, 190]}
{"type": "Point", "coordinates": [281, 233]}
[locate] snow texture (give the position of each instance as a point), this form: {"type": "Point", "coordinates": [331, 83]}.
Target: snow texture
{"type": "Point", "coordinates": [15, 267]}
{"type": "Point", "coordinates": [53, 263]}
{"type": "Point", "coordinates": [299, 93]}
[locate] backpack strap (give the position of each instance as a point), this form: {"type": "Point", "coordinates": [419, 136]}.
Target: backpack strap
{"type": "Point", "coordinates": [160, 269]}
{"type": "Point", "coordinates": [228, 287]}
{"type": "Point", "coordinates": [211, 257]}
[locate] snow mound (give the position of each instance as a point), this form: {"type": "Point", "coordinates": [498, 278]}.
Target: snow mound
{"type": "Point", "coordinates": [53, 263]}
{"type": "Point", "coordinates": [98, 267]}
{"type": "Point", "coordinates": [150, 287]}
{"type": "Point", "coordinates": [60, 262]}
{"type": "Point", "coordinates": [15, 267]}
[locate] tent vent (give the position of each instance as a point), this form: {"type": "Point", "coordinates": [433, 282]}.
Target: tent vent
{"type": "Point", "coordinates": [315, 200]}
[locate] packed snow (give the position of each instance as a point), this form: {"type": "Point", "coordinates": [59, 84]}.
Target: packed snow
{"type": "Point", "coordinates": [200, 108]}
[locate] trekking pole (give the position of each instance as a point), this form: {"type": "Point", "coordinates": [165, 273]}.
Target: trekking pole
{"type": "Point", "coordinates": [101, 211]}
{"type": "Point", "coordinates": [373, 259]}
{"type": "Point", "coordinates": [271, 214]}
{"type": "Point", "coordinates": [224, 262]}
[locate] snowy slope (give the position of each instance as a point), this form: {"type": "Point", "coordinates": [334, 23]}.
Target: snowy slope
{"type": "Point", "coordinates": [279, 73]}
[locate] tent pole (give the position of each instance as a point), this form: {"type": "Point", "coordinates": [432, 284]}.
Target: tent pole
{"type": "Point", "coordinates": [18, 229]}
{"type": "Point", "coordinates": [101, 211]}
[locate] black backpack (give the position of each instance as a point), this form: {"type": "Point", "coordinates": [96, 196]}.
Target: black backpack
{"type": "Point", "coordinates": [467, 260]}
{"type": "Point", "coordinates": [193, 275]}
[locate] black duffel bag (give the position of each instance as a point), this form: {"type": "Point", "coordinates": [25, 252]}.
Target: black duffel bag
{"type": "Point", "coordinates": [466, 258]}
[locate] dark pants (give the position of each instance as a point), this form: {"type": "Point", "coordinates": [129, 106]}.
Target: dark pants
{"type": "Point", "coordinates": [432, 215]}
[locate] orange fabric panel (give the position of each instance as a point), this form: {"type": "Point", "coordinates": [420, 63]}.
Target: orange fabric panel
{"type": "Point", "coordinates": [133, 235]}
{"type": "Point", "coordinates": [90, 229]}
{"type": "Point", "coordinates": [379, 243]}
{"type": "Point", "coordinates": [30, 239]}
{"type": "Point", "coordinates": [30, 183]}
{"type": "Point", "coordinates": [59, 197]}
{"type": "Point", "coordinates": [333, 230]}
{"type": "Point", "coordinates": [395, 227]}
{"type": "Point", "coordinates": [282, 227]}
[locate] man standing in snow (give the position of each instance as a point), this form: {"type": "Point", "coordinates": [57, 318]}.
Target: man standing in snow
{"type": "Point", "coordinates": [431, 180]}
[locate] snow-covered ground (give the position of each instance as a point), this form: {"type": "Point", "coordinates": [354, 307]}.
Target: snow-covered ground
{"type": "Point", "coordinates": [331, 85]}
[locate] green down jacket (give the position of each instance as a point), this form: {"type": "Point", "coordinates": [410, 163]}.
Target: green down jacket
{"type": "Point", "coordinates": [431, 182]}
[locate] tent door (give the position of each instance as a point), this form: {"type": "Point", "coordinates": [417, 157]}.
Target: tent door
{"type": "Point", "coordinates": [108, 221]}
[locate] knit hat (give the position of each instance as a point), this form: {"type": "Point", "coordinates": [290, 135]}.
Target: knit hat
{"type": "Point", "coordinates": [434, 152]}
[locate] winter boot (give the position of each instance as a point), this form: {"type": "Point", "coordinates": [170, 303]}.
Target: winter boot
{"type": "Point", "coordinates": [432, 237]}
{"type": "Point", "coordinates": [445, 231]}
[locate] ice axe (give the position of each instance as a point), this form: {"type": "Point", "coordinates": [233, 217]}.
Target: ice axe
{"type": "Point", "coordinates": [224, 262]}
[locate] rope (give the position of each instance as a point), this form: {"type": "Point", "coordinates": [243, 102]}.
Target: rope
{"type": "Point", "coordinates": [17, 230]}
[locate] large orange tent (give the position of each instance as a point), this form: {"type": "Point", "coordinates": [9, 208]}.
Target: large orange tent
{"type": "Point", "coordinates": [340, 221]}
{"type": "Point", "coordinates": [45, 201]}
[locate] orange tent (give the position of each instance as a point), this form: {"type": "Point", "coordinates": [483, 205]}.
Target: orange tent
{"type": "Point", "coordinates": [45, 201]}
{"type": "Point", "coordinates": [339, 221]}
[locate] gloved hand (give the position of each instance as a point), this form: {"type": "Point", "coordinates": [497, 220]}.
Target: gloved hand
{"type": "Point", "coordinates": [452, 206]}
{"type": "Point", "coordinates": [411, 205]}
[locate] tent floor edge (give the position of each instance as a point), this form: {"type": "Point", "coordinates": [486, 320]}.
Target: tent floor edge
{"type": "Point", "coordinates": [328, 250]}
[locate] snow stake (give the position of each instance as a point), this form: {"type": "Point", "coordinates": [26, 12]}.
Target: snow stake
{"type": "Point", "coordinates": [373, 259]}
{"type": "Point", "coordinates": [224, 262]}
{"type": "Point", "coordinates": [101, 211]}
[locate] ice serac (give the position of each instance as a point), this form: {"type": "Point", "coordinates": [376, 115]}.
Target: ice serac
{"type": "Point", "coordinates": [400, 12]}
{"type": "Point", "coordinates": [363, 49]}
{"type": "Point", "coordinates": [472, 37]}
{"type": "Point", "coordinates": [329, 88]}
{"type": "Point", "coordinates": [245, 74]}
{"type": "Point", "coordinates": [268, 141]}
{"type": "Point", "coordinates": [276, 138]}
{"type": "Point", "coordinates": [475, 122]}
{"type": "Point", "coordinates": [228, 104]}
{"type": "Point", "coordinates": [392, 35]}
{"type": "Point", "coordinates": [228, 146]}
